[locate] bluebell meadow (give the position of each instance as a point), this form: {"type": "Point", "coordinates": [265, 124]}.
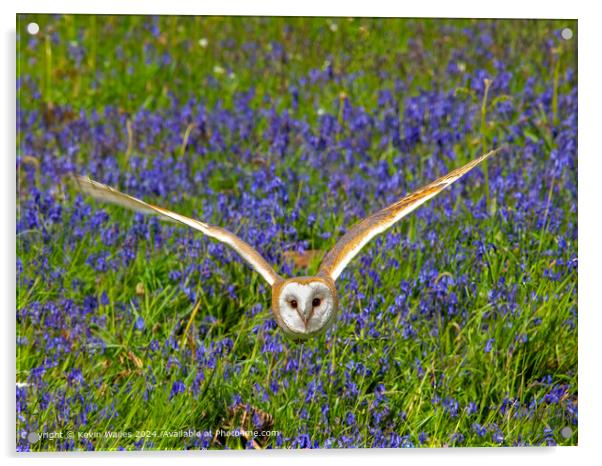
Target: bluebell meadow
{"type": "Point", "coordinates": [458, 327]}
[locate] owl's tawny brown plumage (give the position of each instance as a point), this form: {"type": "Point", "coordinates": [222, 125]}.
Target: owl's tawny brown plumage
{"type": "Point", "coordinates": [302, 306]}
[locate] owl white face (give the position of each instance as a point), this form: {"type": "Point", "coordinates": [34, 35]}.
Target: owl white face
{"type": "Point", "coordinates": [305, 307]}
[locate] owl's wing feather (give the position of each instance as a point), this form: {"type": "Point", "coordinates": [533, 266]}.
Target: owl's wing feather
{"type": "Point", "coordinates": [105, 193]}
{"type": "Point", "coordinates": [362, 232]}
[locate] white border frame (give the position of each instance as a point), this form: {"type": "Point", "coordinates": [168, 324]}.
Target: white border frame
{"type": "Point", "coordinates": [589, 166]}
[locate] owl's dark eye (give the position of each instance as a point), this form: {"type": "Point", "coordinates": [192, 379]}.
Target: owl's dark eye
{"type": "Point", "coordinates": [316, 302]}
{"type": "Point", "coordinates": [294, 303]}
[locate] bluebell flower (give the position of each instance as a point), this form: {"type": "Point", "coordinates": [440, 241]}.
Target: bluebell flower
{"type": "Point", "coordinates": [489, 345]}
{"type": "Point", "coordinates": [139, 323]}
{"type": "Point", "coordinates": [177, 387]}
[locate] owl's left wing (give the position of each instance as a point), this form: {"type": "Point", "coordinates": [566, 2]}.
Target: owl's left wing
{"type": "Point", "coordinates": [358, 235]}
{"type": "Point", "coordinates": [105, 193]}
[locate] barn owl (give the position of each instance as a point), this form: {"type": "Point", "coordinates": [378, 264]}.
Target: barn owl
{"type": "Point", "coordinates": [302, 306]}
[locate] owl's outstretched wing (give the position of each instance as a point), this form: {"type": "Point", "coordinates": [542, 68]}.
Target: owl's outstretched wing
{"type": "Point", "coordinates": [106, 193]}
{"type": "Point", "coordinates": [358, 235]}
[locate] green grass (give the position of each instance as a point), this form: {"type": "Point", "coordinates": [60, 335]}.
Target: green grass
{"type": "Point", "coordinates": [125, 367]}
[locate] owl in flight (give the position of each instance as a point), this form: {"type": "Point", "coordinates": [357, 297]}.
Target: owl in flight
{"type": "Point", "coordinates": [302, 306]}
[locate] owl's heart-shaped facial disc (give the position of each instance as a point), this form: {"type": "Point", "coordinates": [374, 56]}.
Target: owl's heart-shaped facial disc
{"type": "Point", "coordinates": [304, 306]}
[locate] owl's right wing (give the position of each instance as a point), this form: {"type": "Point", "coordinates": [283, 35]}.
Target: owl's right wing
{"type": "Point", "coordinates": [105, 193]}
{"type": "Point", "coordinates": [361, 233]}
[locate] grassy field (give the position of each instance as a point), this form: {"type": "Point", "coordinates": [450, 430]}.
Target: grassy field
{"type": "Point", "coordinates": [458, 327]}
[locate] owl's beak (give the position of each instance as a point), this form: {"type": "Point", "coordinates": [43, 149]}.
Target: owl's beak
{"type": "Point", "coordinates": [306, 315]}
